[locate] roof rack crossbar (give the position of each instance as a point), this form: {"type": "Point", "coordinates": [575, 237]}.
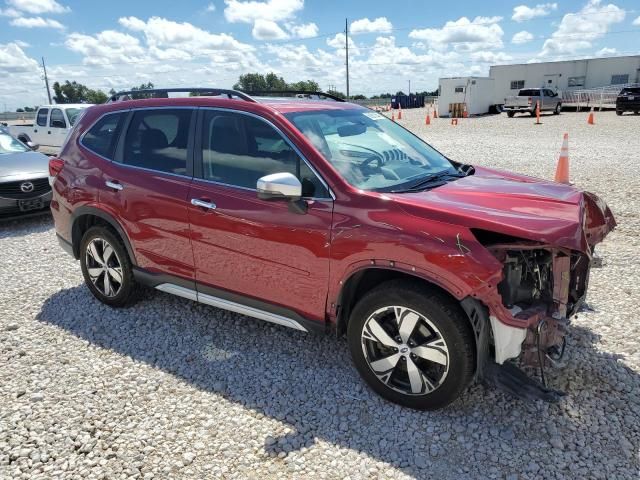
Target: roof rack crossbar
{"type": "Point", "coordinates": [130, 94]}
{"type": "Point", "coordinates": [293, 92]}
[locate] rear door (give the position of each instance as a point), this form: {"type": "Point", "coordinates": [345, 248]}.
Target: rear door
{"type": "Point", "coordinates": [253, 249]}
{"type": "Point", "coordinates": [147, 186]}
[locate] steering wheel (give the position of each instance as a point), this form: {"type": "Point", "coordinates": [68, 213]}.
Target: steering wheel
{"type": "Point", "coordinates": [367, 169]}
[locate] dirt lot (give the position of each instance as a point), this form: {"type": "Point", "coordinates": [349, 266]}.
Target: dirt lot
{"type": "Point", "coordinates": [172, 389]}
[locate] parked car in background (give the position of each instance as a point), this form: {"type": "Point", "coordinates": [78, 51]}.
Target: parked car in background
{"type": "Point", "coordinates": [326, 216]}
{"type": "Point", "coordinates": [51, 125]}
{"type": "Point", "coordinates": [628, 100]}
{"type": "Point", "coordinates": [525, 102]}
{"type": "Point", "coordinates": [24, 178]}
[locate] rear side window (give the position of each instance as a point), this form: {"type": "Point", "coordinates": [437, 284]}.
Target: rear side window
{"type": "Point", "coordinates": [57, 119]}
{"type": "Point", "coordinates": [103, 136]}
{"type": "Point", "coordinates": [42, 117]}
{"type": "Point", "coordinates": [530, 92]}
{"type": "Point", "coordinates": [238, 149]}
{"type": "Point", "coordinates": [158, 139]}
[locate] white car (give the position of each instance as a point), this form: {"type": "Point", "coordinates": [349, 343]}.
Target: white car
{"type": "Point", "coordinates": [53, 123]}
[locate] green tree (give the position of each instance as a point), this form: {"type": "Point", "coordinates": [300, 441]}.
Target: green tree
{"type": "Point", "coordinates": [336, 93]}
{"type": "Point", "coordinates": [30, 109]}
{"type": "Point", "coordinates": [256, 82]}
{"type": "Point", "coordinates": [146, 86]}
{"type": "Point", "coordinates": [19, 110]}
{"type": "Point", "coordinates": [358, 97]}
{"type": "Point", "coordinates": [74, 92]}
{"type": "Point", "coordinates": [305, 86]}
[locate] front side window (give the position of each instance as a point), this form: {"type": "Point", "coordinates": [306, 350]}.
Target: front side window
{"type": "Point", "coordinates": [42, 117]}
{"type": "Point", "coordinates": [238, 149]}
{"type": "Point", "coordinates": [103, 136]}
{"type": "Point", "coordinates": [57, 119]}
{"type": "Point", "coordinates": [8, 144]}
{"type": "Point", "coordinates": [158, 139]}
{"type": "Point", "coordinates": [369, 150]}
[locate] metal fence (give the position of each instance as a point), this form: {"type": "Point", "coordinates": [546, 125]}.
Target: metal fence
{"type": "Point", "coordinates": [11, 116]}
{"type": "Point", "coordinates": [601, 97]}
{"type": "Point", "coordinates": [385, 102]}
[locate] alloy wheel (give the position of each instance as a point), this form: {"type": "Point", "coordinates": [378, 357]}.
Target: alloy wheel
{"type": "Point", "coordinates": [104, 267]}
{"type": "Point", "coordinates": [405, 350]}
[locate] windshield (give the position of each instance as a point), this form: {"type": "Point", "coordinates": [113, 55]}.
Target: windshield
{"type": "Point", "coordinates": [8, 144]}
{"type": "Point", "coordinates": [369, 150]}
{"type": "Point", "coordinates": [74, 114]}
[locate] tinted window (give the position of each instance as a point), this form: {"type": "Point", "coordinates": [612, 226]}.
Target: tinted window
{"type": "Point", "coordinates": [157, 140]}
{"type": "Point", "coordinates": [103, 136]}
{"type": "Point", "coordinates": [57, 119]}
{"type": "Point", "coordinates": [238, 149]}
{"type": "Point", "coordinates": [42, 117]}
{"type": "Point", "coordinates": [530, 92]}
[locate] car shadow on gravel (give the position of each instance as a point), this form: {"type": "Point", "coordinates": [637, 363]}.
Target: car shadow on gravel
{"type": "Point", "coordinates": [28, 225]}
{"type": "Point", "coordinates": [307, 382]}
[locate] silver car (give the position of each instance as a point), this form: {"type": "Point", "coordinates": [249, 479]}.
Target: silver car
{"type": "Point", "coordinates": [24, 178]}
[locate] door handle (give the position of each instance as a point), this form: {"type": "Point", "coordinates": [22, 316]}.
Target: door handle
{"type": "Point", "coordinates": [113, 184]}
{"type": "Point", "coordinates": [49, 132]}
{"type": "Point", "coordinates": [196, 202]}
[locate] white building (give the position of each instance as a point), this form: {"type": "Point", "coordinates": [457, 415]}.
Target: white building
{"type": "Point", "coordinates": [563, 77]}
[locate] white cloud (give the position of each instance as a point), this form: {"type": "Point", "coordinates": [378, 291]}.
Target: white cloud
{"type": "Point", "coordinates": [37, 7]}
{"type": "Point", "coordinates": [106, 47]}
{"type": "Point", "coordinates": [210, 8]}
{"type": "Point", "coordinates": [490, 57]}
{"type": "Point", "coordinates": [481, 33]}
{"type": "Point", "coordinates": [577, 31]}
{"type": "Point", "coordinates": [522, 13]}
{"type": "Point", "coordinates": [36, 22]}
{"type": "Point", "coordinates": [306, 30]}
{"type": "Point", "coordinates": [364, 25]}
{"type": "Point", "coordinates": [13, 60]}
{"type": "Point", "coordinates": [268, 30]}
{"type": "Point", "coordinates": [10, 12]}
{"type": "Point", "coordinates": [169, 39]}
{"type": "Point", "coordinates": [636, 22]}
{"type": "Point", "coordinates": [522, 37]}
{"type": "Point", "coordinates": [22, 44]}
{"type": "Point", "coordinates": [338, 42]}
{"type": "Point", "coordinates": [237, 11]}
{"type": "Point", "coordinates": [606, 52]}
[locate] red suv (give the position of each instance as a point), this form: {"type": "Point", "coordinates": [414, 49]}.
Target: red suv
{"type": "Point", "coordinates": [317, 214]}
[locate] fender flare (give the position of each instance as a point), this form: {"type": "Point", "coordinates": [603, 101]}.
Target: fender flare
{"type": "Point", "coordinates": [23, 137]}
{"type": "Point", "coordinates": [97, 212]}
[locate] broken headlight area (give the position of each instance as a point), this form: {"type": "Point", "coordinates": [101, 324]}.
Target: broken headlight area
{"type": "Point", "coordinates": [543, 287]}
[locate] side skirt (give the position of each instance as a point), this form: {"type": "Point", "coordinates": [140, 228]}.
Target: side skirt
{"type": "Point", "coordinates": [228, 301]}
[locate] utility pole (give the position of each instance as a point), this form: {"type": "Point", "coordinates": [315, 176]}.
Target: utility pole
{"type": "Point", "coordinates": [409, 87]}
{"type": "Point", "coordinates": [346, 43]}
{"type": "Point", "coordinates": [46, 81]}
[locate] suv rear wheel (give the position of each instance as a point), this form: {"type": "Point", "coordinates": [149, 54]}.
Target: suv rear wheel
{"type": "Point", "coordinates": [106, 267]}
{"type": "Point", "coordinates": [412, 345]}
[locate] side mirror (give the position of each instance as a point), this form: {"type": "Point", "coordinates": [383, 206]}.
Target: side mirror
{"type": "Point", "coordinates": [282, 186]}
{"type": "Point", "coordinates": [33, 146]}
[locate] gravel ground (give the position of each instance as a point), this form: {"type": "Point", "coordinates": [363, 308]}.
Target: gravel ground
{"type": "Point", "coordinates": [172, 389]}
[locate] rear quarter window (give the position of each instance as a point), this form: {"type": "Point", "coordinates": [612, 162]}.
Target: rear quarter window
{"type": "Point", "coordinates": [102, 137]}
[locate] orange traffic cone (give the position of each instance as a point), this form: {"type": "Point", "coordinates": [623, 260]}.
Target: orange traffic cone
{"type": "Point", "coordinates": [454, 121]}
{"type": "Point", "coordinates": [538, 122]}
{"type": "Point", "coordinates": [427, 120]}
{"type": "Point", "coordinates": [591, 119]}
{"type": "Point", "coordinates": [435, 112]}
{"type": "Point", "coordinates": [562, 170]}
{"type": "Point", "coordinates": [399, 113]}
{"type": "Point", "coordinates": [393, 116]}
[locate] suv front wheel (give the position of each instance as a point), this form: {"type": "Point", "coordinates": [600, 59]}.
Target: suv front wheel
{"type": "Point", "coordinates": [412, 345]}
{"type": "Point", "coordinates": [106, 267]}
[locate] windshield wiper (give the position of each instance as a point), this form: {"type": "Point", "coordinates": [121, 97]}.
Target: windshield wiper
{"type": "Point", "coordinates": [434, 180]}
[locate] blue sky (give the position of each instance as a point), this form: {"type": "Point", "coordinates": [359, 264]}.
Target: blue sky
{"type": "Point", "coordinates": [118, 44]}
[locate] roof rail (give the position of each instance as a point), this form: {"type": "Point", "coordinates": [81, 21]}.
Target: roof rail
{"type": "Point", "coordinates": [303, 93]}
{"type": "Point", "coordinates": [163, 93]}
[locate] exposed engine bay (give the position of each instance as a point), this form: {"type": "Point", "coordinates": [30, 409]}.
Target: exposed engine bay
{"type": "Point", "coordinates": [546, 286]}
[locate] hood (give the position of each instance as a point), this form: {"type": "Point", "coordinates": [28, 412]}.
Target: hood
{"type": "Point", "coordinates": [516, 205]}
{"type": "Point", "coordinates": [23, 164]}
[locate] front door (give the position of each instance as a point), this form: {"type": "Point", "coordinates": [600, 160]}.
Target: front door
{"type": "Point", "coordinates": [257, 249]}
{"type": "Point", "coordinates": [40, 127]}
{"type": "Point", "coordinates": [148, 187]}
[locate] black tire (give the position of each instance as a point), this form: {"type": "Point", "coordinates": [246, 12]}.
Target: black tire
{"type": "Point", "coordinates": [451, 326]}
{"type": "Point", "coordinates": [636, 112]}
{"type": "Point", "coordinates": [510, 114]}
{"type": "Point", "coordinates": [24, 139]}
{"type": "Point", "coordinates": [558, 109]}
{"type": "Point", "coordinates": [128, 290]}
{"type": "Point", "coordinates": [619, 112]}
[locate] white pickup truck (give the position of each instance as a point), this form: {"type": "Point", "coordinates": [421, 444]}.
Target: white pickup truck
{"type": "Point", "coordinates": [525, 102]}
{"type": "Point", "coordinates": [53, 123]}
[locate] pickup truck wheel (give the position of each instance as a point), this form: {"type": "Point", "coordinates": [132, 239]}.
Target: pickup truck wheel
{"type": "Point", "coordinates": [24, 138]}
{"type": "Point", "coordinates": [619, 112]}
{"type": "Point", "coordinates": [557, 110]}
{"type": "Point", "coordinates": [412, 345]}
{"type": "Point", "coordinates": [106, 267]}
{"type": "Point", "coordinates": [510, 114]}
